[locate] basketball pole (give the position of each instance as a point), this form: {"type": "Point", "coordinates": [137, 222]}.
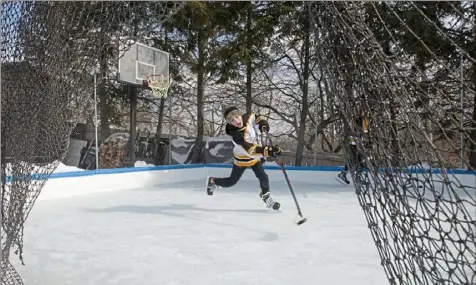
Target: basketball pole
{"type": "Point", "coordinates": [462, 113]}
{"type": "Point", "coordinates": [132, 93]}
{"type": "Point", "coordinates": [170, 130]}
{"type": "Point", "coordinates": [316, 131]}
{"type": "Point", "coordinates": [96, 125]}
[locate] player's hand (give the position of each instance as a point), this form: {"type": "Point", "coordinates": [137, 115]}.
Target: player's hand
{"type": "Point", "coordinates": [276, 151]}
{"type": "Point", "coordinates": [273, 151]}
{"type": "Point", "coordinates": [263, 126]}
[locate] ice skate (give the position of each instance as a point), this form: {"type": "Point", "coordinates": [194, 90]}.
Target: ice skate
{"type": "Point", "coordinates": [269, 201]}
{"type": "Point", "coordinates": [210, 185]}
{"type": "Point", "coordinates": [342, 178]}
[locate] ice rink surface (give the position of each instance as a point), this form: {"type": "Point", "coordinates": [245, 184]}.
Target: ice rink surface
{"type": "Point", "coordinates": [176, 234]}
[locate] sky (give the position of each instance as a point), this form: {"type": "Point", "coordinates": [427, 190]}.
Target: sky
{"type": "Point", "coordinates": [10, 22]}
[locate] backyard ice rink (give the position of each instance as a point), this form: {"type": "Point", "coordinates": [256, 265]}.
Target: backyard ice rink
{"type": "Point", "coordinates": [176, 234]}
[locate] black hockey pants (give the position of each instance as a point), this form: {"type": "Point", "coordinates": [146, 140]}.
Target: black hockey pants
{"type": "Point", "coordinates": [355, 161]}
{"type": "Point", "coordinates": [238, 171]}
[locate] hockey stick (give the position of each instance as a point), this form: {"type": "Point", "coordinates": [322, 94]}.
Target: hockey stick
{"type": "Point", "coordinates": [281, 165]}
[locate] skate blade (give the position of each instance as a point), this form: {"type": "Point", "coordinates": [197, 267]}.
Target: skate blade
{"type": "Point", "coordinates": [341, 181]}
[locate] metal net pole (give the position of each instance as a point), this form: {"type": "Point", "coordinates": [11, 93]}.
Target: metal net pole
{"type": "Point", "coordinates": [462, 113]}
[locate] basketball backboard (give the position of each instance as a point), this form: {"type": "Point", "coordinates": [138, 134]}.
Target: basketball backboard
{"type": "Point", "coordinates": [139, 61]}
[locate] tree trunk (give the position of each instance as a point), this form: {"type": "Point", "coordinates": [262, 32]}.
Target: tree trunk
{"type": "Point", "coordinates": [158, 154]}
{"type": "Point", "coordinates": [249, 58]}
{"type": "Point", "coordinates": [197, 146]}
{"type": "Point", "coordinates": [104, 130]}
{"type": "Point", "coordinates": [305, 93]}
{"type": "Point", "coordinates": [396, 154]}
{"type": "Point", "coordinates": [472, 52]}
{"type": "Point", "coordinates": [394, 136]}
{"type": "Point", "coordinates": [472, 156]}
{"type": "Point", "coordinates": [321, 108]}
{"type": "Point", "coordinates": [331, 105]}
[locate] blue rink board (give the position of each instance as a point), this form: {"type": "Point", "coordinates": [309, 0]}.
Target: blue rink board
{"type": "Point", "coordinates": [217, 165]}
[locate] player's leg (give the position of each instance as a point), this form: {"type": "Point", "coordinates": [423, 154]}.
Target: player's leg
{"type": "Point", "coordinates": [235, 175]}
{"type": "Point", "coordinates": [342, 176]}
{"type": "Point", "coordinates": [265, 195]}
{"type": "Point", "coordinates": [360, 165]}
{"type": "Point", "coordinates": [349, 165]}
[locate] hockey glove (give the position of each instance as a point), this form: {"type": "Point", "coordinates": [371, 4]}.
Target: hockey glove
{"type": "Point", "coordinates": [263, 126]}
{"type": "Point", "coordinates": [272, 151]}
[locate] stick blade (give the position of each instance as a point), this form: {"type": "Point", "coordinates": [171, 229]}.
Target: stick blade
{"type": "Point", "coordinates": [301, 221]}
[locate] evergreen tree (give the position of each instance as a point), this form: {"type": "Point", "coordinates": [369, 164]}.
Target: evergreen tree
{"type": "Point", "coordinates": [200, 25]}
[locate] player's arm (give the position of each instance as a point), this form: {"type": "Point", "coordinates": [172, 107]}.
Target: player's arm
{"type": "Point", "coordinates": [364, 126]}
{"type": "Point", "coordinates": [262, 123]}
{"type": "Point", "coordinates": [239, 138]}
{"type": "Point", "coordinates": [367, 133]}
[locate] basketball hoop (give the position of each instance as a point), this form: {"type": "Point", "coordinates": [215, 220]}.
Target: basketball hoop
{"type": "Point", "coordinates": [159, 84]}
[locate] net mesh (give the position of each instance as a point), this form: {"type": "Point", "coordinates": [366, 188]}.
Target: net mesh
{"type": "Point", "coordinates": [49, 53]}
{"type": "Point", "coordinates": [404, 67]}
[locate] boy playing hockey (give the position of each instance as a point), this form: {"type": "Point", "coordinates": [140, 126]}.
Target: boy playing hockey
{"type": "Point", "coordinates": [247, 152]}
{"type": "Point", "coordinates": [356, 161]}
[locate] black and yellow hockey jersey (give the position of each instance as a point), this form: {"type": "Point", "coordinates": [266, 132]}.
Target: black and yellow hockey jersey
{"type": "Point", "coordinates": [248, 149]}
{"type": "Point", "coordinates": [361, 130]}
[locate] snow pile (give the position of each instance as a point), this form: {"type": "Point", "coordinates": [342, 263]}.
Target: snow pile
{"type": "Point", "coordinates": [66, 168]}
{"type": "Point", "coordinates": [23, 168]}
{"type": "Point", "coordinates": [141, 163]}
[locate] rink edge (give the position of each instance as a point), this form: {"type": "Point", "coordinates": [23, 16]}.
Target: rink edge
{"type": "Point", "coordinates": [192, 166]}
{"type": "Point", "coordinates": [68, 184]}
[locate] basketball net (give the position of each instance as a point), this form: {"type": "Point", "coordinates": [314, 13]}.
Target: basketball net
{"type": "Point", "coordinates": [159, 84]}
